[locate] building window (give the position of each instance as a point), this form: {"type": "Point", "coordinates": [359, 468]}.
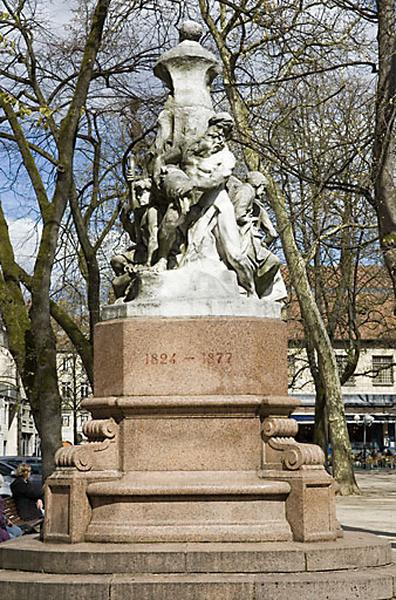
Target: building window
{"type": "Point", "coordinates": [383, 370]}
{"type": "Point", "coordinates": [66, 391]}
{"type": "Point", "coordinates": [67, 363]}
{"type": "Point", "coordinates": [342, 362]}
{"type": "Point", "coordinates": [65, 421]}
{"type": "Point", "coordinates": [84, 418]}
{"type": "Point", "coordinates": [291, 366]}
{"type": "Point", "coordinates": [84, 390]}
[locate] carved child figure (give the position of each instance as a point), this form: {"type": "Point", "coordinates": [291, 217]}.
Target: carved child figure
{"type": "Point", "coordinates": [142, 230]}
{"type": "Point", "coordinates": [257, 233]}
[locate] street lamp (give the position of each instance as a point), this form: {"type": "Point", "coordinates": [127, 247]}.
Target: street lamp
{"type": "Point", "coordinates": [367, 421]}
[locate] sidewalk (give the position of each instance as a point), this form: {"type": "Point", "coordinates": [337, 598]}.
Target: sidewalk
{"type": "Point", "coordinates": [375, 510]}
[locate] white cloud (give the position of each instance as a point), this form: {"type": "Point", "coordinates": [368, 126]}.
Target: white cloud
{"type": "Point", "coordinates": [25, 237]}
{"type": "Point", "coordinates": [58, 12]}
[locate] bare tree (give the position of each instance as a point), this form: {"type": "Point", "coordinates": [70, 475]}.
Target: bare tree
{"type": "Point", "coordinates": [262, 52]}
{"type": "Point", "coordinates": [382, 190]}
{"type": "Point", "coordinates": [322, 148]}
{"type": "Point", "coordinates": [71, 113]}
{"type": "Point", "coordinates": [31, 336]}
{"type": "Point", "coordinates": [384, 136]}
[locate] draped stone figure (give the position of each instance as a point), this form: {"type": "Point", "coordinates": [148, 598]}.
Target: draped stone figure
{"type": "Point", "coordinates": [191, 215]}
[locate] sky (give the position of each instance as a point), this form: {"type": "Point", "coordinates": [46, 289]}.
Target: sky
{"type": "Point", "coordinates": [24, 230]}
{"type": "Point", "coordinates": [25, 236]}
{"type": "Point", "coordinates": [58, 11]}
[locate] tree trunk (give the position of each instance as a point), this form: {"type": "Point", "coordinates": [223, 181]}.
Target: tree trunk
{"type": "Point", "coordinates": [46, 382]}
{"type": "Point", "coordinates": [321, 437]}
{"type": "Point", "coordinates": [321, 425]}
{"type": "Point", "coordinates": [384, 142]}
{"type": "Point", "coordinates": [46, 398]}
{"type": "Point", "coordinates": [92, 272]}
{"type": "Point", "coordinates": [342, 453]}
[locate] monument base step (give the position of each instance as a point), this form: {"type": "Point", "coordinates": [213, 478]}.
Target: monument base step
{"type": "Point", "coordinates": [368, 584]}
{"type": "Point", "coordinates": [355, 567]}
{"type": "Point", "coordinates": [189, 506]}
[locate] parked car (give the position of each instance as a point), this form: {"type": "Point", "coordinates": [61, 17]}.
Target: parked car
{"type": "Point", "coordinates": [33, 461]}
{"type": "Point", "coordinates": [8, 466]}
{"type": "Point", "coordinates": [21, 459]}
{"type": "Point", "coordinates": [8, 473]}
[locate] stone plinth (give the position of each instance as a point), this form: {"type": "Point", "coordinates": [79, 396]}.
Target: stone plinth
{"type": "Point", "coordinates": [353, 551]}
{"type": "Point", "coordinates": [191, 439]}
{"type": "Point", "coordinates": [189, 356]}
{"type": "Point", "coordinates": [192, 484]}
{"type": "Point", "coordinates": [186, 292]}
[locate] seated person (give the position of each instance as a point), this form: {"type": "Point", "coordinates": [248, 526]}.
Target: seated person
{"type": "Point", "coordinates": [27, 495]}
{"type": "Point", "coordinates": [7, 529]}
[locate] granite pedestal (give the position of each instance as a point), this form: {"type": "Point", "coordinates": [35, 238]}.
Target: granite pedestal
{"type": "Point", "coordinates": [191, 438]}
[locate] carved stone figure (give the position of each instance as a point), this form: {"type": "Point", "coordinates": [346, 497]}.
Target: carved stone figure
{"type": "Point", "coordinates": [139, 220]}
{"type": "Point", "coordinates": [209, 164]}
{"type": "Point", "coordinates": [257, 234]}
{"type": "Point", "coordinates": [191, 215]}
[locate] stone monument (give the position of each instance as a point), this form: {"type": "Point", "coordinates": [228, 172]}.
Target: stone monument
{"type": "Point", "coordinates": [191, 484]}
{"type": "Point", "coordinates": [191, 438]}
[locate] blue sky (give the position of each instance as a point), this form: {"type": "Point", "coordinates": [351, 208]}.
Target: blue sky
{"type": "Point", "coordinates": [25, 229]}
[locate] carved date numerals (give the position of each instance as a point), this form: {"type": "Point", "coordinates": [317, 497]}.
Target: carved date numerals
{"type": "Point", "coordinates": [160, 359]}
{"type": "Point", "coordinates": [217, 358]}
{"type": "Point", "coordinates": [211, 359]}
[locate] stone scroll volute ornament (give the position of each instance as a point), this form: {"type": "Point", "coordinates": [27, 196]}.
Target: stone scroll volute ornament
{"type": "Point", "coordinates": [195, 229]}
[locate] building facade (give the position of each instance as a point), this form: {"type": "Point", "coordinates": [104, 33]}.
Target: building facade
{"type": "Point", "coordinates": [74, 387]}
{"type": "Point", "coordinates": [369, 396]}
{"type": "Point", "coordinates": [18, 434]}
{"type": "Point", "coordinates": [361, 321]}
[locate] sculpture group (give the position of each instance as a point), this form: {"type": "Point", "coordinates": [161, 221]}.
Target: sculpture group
{"type": "Point", "coordinates": [188, 210]}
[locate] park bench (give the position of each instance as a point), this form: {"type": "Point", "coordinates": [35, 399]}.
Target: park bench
{"type": "Point", "coordinates": [11, 513]}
